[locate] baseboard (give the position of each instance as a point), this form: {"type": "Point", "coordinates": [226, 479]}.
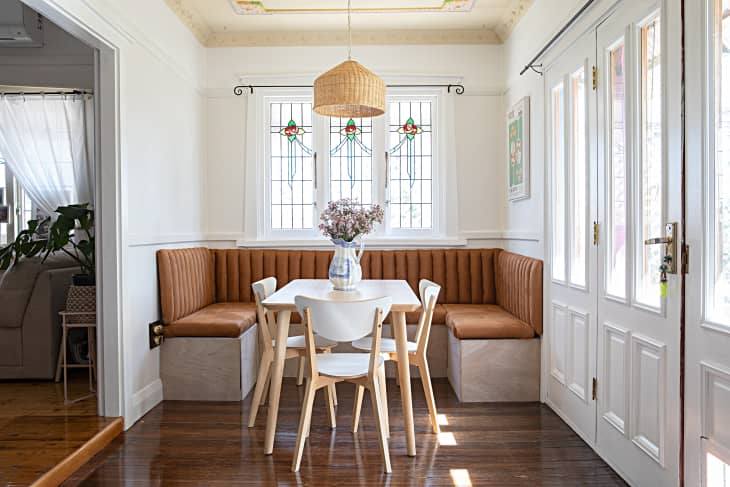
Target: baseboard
{"type": "Point", "coordinates": [143, 401]}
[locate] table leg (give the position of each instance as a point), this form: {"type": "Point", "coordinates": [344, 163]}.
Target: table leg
{"type": "Point", "coordinates": [277, 371]}
{"type": "Point", "coordinates": [404, 374]}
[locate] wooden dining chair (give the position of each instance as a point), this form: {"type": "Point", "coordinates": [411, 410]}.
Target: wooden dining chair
{"type": "Point", "coordinates": [343, 321]}
{"type": "Point", "coordinates": [429, 292]}
{"type": "Point", "coordinates": [295, 347]}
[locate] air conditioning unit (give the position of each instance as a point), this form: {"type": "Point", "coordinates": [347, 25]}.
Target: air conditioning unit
{"type": "Point", "coordinates": [20, 26]}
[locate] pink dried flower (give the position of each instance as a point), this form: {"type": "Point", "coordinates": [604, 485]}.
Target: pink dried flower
{"type": "Point", "coordinates": [347, 219]}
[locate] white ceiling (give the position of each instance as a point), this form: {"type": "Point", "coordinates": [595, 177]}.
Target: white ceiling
{"type": "Point", "coordinates": [219, 23]}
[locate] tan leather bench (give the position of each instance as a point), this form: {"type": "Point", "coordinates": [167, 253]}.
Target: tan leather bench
{"type": "Point", "coordinates": [486, 294]}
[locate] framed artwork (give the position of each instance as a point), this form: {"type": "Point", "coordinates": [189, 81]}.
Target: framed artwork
{"type": "Point", "coordinates": [518, 150]}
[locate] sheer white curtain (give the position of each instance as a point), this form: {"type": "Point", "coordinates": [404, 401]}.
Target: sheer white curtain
{"type": "Point", "coordinates": [47, 141]}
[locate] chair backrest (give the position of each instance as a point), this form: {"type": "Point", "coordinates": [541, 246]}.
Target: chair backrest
{"type": "Point", "coordinates": [429, 293]}
{"type": "Point", "coordinates": [342, 321]}
{"type": "Point", "coordinates": [261, 290]}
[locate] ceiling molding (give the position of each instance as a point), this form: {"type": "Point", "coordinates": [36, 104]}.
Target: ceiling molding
{"type": "Point", "coordinates": [504, 29]}
{"type": "Point", "coordinates": [339, 38]}
{"type": "Point", "coordinates": [196, 23]}
{"type": "Point", "coordinates": [258, 7]}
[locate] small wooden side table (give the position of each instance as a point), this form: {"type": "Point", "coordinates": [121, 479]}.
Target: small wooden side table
{"type": "Point", "coordinates": [71, 320]}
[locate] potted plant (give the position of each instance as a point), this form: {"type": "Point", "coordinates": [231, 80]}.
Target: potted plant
{"type": "Point", "coordinates": [343, 221]}
{"type": "Point", "coordinates": [72, 232]}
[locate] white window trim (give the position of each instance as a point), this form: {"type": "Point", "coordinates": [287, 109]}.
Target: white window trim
{"type": "Point", "coordinates": [257, 232]}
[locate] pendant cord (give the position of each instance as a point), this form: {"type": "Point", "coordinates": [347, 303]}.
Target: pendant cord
{"type": "Point", "coordinates": [349, 31]}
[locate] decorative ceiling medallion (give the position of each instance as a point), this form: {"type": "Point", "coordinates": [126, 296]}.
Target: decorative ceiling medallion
{"type": "Point", "coordinates": [268, 7]}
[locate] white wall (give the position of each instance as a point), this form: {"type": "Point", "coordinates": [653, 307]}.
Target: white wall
{"type": "Point", "coordinates": [62, 62]}
{"type": "Point", "coordinates": [161, 128]}
{"type": "Point", "coordinates": [542, 20]}
{"type": "Point", "coordinates": [479, 132]}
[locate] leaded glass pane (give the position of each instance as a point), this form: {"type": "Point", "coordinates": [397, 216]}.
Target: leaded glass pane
{"type": "Point", "coordinates": [616, 251]}
{"type": "Point", "coordinates": [558, 181]}
{"type": "Point", "coordinates": [651, 215]}
{"type": "Point", "coordinates": [351, 159]}
{"type": "Point", "coordinates": [579, 181]}
{"type": "Point", "coordinates": [411, 161]}
{"type": "Point", "coordinates": [719, 235]}
{"type": "Point", "coordinates": [291, 155]}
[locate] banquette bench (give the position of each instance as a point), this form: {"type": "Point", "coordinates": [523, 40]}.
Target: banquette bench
{"type": "Point", "coordinates": [490, 304]}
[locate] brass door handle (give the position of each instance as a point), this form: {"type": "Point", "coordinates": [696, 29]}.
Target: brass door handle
{"type": "Point", "coordinates": [659, 240]}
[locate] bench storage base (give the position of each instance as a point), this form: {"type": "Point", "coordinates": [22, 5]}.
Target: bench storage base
{"type": "Point", "coordinates": [494, 370]}
{"type": "Point", "coordinates": [209, 368]}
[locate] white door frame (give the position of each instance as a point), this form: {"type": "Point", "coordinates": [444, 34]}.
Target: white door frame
{"type": "Point", "coordinates": [109, 249]}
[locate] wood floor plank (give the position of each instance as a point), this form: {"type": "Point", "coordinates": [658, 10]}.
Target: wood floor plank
{"type": "Point", "coordinates": [194, 443]}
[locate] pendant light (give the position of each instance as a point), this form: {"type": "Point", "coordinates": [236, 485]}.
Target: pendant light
{"type": "Point", "coordinates": [349, 90]}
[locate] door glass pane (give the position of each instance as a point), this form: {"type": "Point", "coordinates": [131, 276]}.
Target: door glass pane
{"type": "Point", "coordinates": [410, 147]}
{"type": "Point", "coordinates": [292, 188]}
{"type": "Point", "coordinates": [651, 216]}
{"type": "Point", "coordinates": [558, 183]}
{"type": "Point", "coordinates": [580, 202]}
{"type": "Point", "coordinates": [719, 235]}
{"type": "Point", "coordinates": [718, 472]}
{"type": "Point", "coordinates": [351, 159]}
{"type": "Point", "coordinates": [616, 251]}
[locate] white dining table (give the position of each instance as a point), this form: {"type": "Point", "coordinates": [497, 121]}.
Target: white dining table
{"type": "Point", "coordinates": [282, 302]}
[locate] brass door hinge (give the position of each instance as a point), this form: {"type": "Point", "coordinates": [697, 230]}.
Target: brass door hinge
{"type": "Point", "coordinates": [596, 231]}
{"type": "Point", "coordinates": [595, 388]}
{"type": "Point", "coordinates": [595, 78]}
{"type": "Point", "coordinates": [685, 258]}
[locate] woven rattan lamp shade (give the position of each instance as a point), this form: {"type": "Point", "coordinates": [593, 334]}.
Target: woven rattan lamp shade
{"type": "Point", "coordinates": [349, 90]}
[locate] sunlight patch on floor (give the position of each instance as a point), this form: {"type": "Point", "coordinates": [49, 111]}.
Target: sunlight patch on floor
{"type": "Point", "coordinates": [447, 439]}
{"type": "Point", "coordinates": [460, 476]}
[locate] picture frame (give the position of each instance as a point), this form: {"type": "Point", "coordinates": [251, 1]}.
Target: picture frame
{"type": "Point", "coordinates": [518, 150]}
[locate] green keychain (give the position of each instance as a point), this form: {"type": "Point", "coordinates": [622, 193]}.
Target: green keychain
{"type": "Point", "coordinates": [663, 277]}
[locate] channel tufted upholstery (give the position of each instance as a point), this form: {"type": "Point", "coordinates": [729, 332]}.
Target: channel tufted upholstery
{"type": "Point", "coordinates": [496, 286]}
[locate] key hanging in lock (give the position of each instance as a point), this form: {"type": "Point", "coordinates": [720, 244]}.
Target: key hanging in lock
{"type": "Point", "coordinates": [667, 260]}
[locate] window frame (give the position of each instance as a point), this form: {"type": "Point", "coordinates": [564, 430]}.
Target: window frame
{"type": "Point", "coordinates": [257, 223]}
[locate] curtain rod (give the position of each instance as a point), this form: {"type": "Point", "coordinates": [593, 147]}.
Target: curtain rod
{"type": "Point", "coordinates": [238, 89]}
{"type": "Point", "coordinates": [536, 67]}
{"type": "Point", "coordinates": [31, 93]}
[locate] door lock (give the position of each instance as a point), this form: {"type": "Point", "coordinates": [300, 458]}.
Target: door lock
{"type": "Point", "coordinates": [670, 246]}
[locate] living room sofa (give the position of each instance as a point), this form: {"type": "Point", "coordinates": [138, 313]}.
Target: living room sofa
{"type": "Point", "coordinates": [31, 295]}
{"type": "Point", "coordinates": [485, 338]}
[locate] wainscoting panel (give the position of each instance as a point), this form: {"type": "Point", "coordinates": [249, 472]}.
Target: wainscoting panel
{"type": "Point", "coordinates": [715, 404]}
{"type": "Point", "coordinates": [580, 342]}
{"type": "Point", "coordinates": [648, 405]}
{"type": "Point", "coordinates": [558, 341]}
{"type": "Point", "coordinates": [616, 381]}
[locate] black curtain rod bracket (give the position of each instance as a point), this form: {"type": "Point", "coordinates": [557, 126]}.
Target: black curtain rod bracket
{"type": "Point", "coordinates": [238, 90]}
{"type": "Point", "coordinates": [533, 62]}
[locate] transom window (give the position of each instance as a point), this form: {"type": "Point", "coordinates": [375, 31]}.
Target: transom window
{"type": "Point", "coordinates": [310, 160]}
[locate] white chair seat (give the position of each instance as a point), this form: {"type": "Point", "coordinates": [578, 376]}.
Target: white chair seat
{"type": "Point", "coordinates": [387, 345]}
{"type": "Point", "coordinates": [344, 364]}
{"type": "Point", "coordinates": [298, 342]}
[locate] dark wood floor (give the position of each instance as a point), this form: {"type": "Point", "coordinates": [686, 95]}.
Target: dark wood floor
{"type": "Point", "coordinates": [38, 431]}
{"type": "Point", "coordinates": [195, 443]}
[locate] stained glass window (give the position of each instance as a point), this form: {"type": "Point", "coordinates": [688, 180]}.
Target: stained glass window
{"type": "Point", "coordinates": [410, 171]}
{"type": "Point", "coordinates": [351, 159]}
{"type": "Point", "coordinates": [579, 164]}
{"type": "Point", "coordinates": [291, 161]}
{"type": "Point", "coordinates": [558, 181]}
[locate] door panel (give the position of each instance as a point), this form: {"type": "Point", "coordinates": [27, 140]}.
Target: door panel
{"type": "Point", "coordinates": [570, 277]}
{"type": "Point", "coordinates": [639, 166]}
{"type": "Point", "coordinates": [707, 322]}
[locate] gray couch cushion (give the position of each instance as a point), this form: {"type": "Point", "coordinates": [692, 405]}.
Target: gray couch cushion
{"type": "Point", "coordinates": [16, 286]}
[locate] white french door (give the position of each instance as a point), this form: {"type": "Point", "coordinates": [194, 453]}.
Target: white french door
{"type": "Point", "coordinates": [571, 270]}
{"type": "Point", "coordinates": [639, 194]}
{"type": "Point", "coordinates": [612, 315]}
{"type": "Point", "coordinates": [707, 317]}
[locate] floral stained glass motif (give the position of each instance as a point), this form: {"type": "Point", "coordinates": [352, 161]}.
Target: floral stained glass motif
{"type": "Point", "coordinates": [410, 179]}
{"type": "Point", "coordinates": [293, 134]}
{"type": "Point", "coordinates": [291, 165]}
{"type": "Point", "coordinates": [350, 142]}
